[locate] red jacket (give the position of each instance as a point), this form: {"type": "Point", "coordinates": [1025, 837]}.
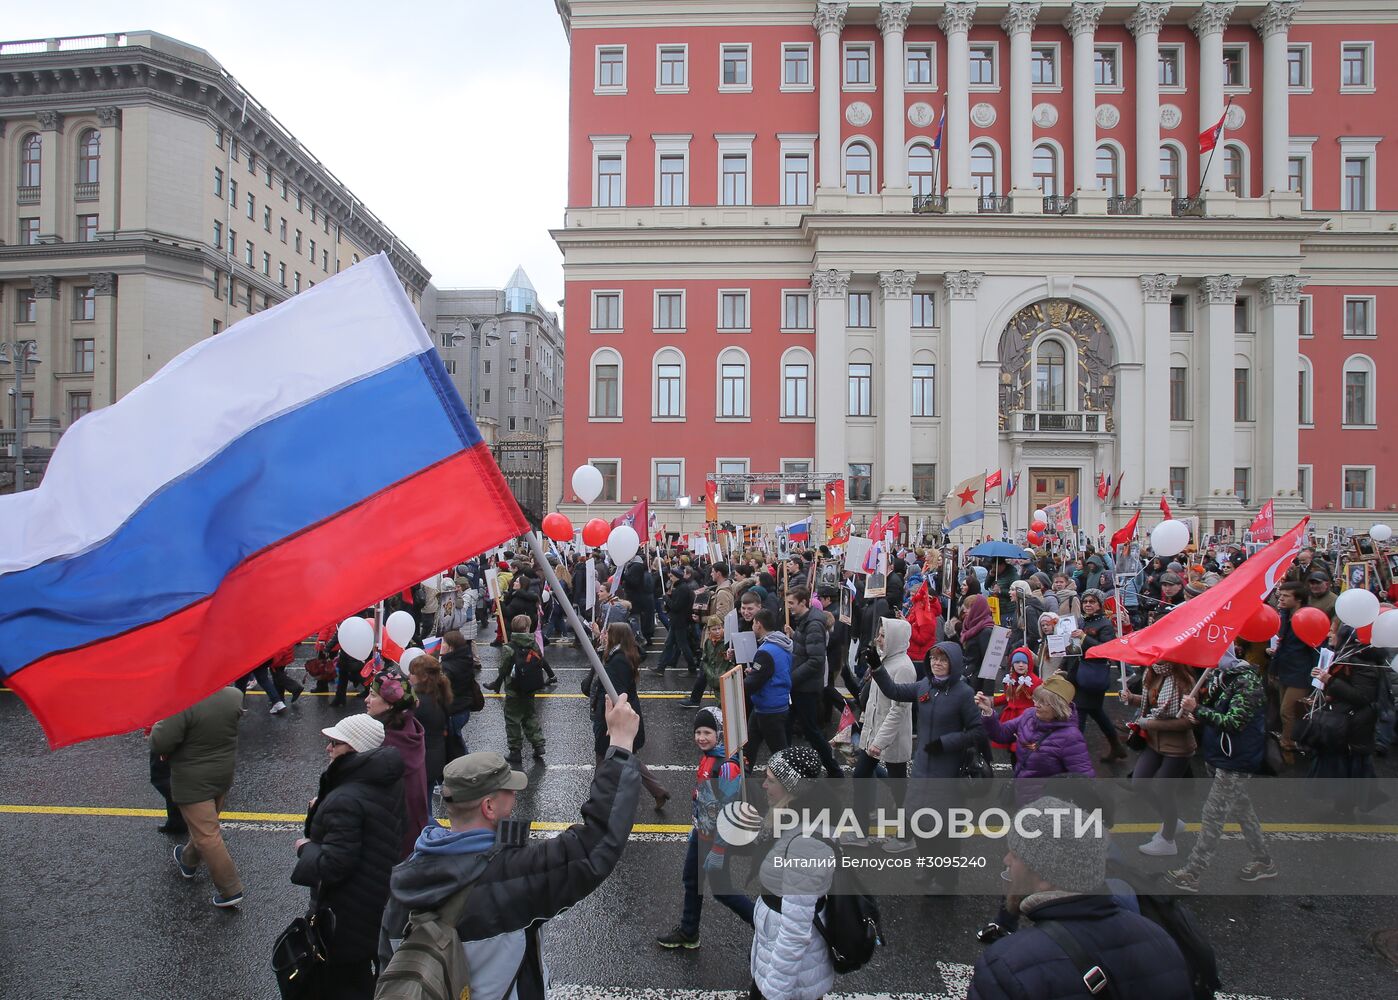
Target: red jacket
{"type": "Point", "coordinates": [1017, 698]}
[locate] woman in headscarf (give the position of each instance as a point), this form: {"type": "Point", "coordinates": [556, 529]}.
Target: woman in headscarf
{"type": "Point", "coordinates": [973, 633]}
{"type": "Point", "coordinates": [391, 701]}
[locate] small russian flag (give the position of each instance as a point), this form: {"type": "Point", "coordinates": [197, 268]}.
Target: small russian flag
{"type": "Point", "coordinates": [799, 532]}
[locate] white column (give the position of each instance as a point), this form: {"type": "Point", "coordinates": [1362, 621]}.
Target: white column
{"type": "Point", "coordinates": [1156, 290]}
{"type": "Point", "coordinates": [43, 429]}
{"type": "Point", "coordinates": [956, 140]}
{"type": "Point", "coordinates": [893, 22]}
{"type": "Point", "coordinates": [829, 22]}
{"type": "Point", "coordinates": [105, 335]}
{"type": "Point", "coordinates": [1145, 25]}
{"type": "Point", "coordinates": [1276, 445]}
{"type": "Point", "coordinates": [960, 339]}
{"type": "Point", "coordinates": [109, 174]}
{"type": "Point", "coordinates": [1213, 412]}
{"type": "Point", "coordinates": [53, 178]}
{"type": "Point", "coordinates": [896, 412]}
{"type": "Point", "coordinates": [1019, 25]}
{"type": "Point", "coordinates": [1082, 25]}
{"type": "Point", "coordinates": [1273, 25]}
{"type": "Point", "coordinates": [1208, 24]}
{"type": "Point", "coordinates": [831, 362]}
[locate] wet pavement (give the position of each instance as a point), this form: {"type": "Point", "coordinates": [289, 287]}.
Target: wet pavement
{"type": "Point", "coordinates": [91, 905]}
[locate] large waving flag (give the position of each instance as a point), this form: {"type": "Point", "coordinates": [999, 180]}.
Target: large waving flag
{"type": "Point", "coordinates": [966, 502]}
{"type": "Point", "coordinates": [281, 475]}
{"type": "Point", "coordinates": [636, 518]}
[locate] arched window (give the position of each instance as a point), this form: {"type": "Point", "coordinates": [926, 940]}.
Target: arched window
{"type": "Point", "coordinates": [30, 160]}
{"type": "Point", "coordinates": [89, 156]}
{"type": "Point", "coordinates": [1360, 390]}
{"type": "Point", "coordinates": [667, 399]}
{"type": "Point", "coordinates": [859, 169]}
{"type": "Point", "coordinates": [1304, 382]}
{"type": "Point", "coordinates": [1109, 170]}
{"type": "Point", "coordinates": [920, 167]}
{"type": "Point", "coordinates": [1171, 179]}
{"type": "Point", "coordinates": [733, 384]}
{"type": "Point", "coordinates": [1050, 376]}
{"type": "Point", "coordinates": [1234, 170]}
{"type": "Point", "coordinates": [605, 376]}
{"type": "Point", "coordinates": [798, 369]}
{"type": "Point", "coordinates": [1046, 169]}
{"type": "Point", "coordinates": [983, 172]}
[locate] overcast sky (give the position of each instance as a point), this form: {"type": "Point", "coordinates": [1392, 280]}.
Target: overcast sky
{"type": "Point", "coordinates": [448, 119]}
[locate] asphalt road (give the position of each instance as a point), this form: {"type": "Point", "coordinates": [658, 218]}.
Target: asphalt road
{"type": "Point", "coordinates": [91, 906]}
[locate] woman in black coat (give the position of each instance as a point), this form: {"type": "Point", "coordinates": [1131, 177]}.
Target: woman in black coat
{"type": "Point", "coordinates": [1351, 686]}
{"type": "Point", "coordinates": [522, 600]}
{"type": "Point", "coordinates": [353, 830]}
{"type": "Point", "coordinates": [621, 659]}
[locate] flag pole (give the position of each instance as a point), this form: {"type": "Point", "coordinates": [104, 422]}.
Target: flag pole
{"type": "Point", "coordinates": [584, 640]}
{"type": "Point", "coordinates": [1214, 151]}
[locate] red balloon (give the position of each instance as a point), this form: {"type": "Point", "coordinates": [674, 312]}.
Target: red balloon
{"type": "Point", "coordinates": [558, 527]}
{"type": "Point", "coordinates": [1263, 624]}
{"type": "Point", "coordinates": [1039, 525]}
{"type": "Point", "coordinates": [1035, 538]}
{"type": "Point", "coordinates": [595, 532]}
{"type": "Point", "coordinates": [1311, 626]}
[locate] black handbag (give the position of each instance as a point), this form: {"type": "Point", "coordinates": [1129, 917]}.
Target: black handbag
{"type": "Point", "coordinates": [1323, 728]}
{"type": "Point", "coordinates": [975, 775]}
{"type": "Point", "coordinates": [300, 953]}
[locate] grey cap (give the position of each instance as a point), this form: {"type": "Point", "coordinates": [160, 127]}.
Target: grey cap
{"type": "Point", "coordinates": [1066, 861]}
{"type": "Point", "coordinates": [473, 777]}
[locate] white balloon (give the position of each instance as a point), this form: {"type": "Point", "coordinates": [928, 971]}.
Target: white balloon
{"type": "Point", "coordinates": [587, 483]}
{"type": "Point", "coordinates": [1039, 515]}
{"type": "Point", "coordinates": [1385, 632]}
{"type": "Point", "coordinates": [409, 655]}
{"type": "Point", "coordinates": [1357, 608]}
{"type": "Point", "coordinates": [622, 544]}
{"type": "Point", "coordinates": [1169, 538]}
{"type": "Point", "coordinates": [357, 637]}
{"type": "Point", "coordinates": [1380, 532]}
{"type": "Point", "coordinates": [400, 627]}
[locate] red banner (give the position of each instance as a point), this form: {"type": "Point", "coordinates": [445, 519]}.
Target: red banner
{"type": "Point", "coordinates": [834, 507]}
{"type": "Point", "coordinates": [711, 502]}
{"type": "Point", "coordinates": [638, 517]}
{"type": "Point", "coordinates": [1264, 525]}
{"type": "Point", "coordinates": [995, 479]}
{"type": "Point", "coordinates": [1199, 631]}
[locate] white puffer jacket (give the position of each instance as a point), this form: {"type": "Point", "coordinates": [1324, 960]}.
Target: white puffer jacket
{"type": "Point", "coordinates": [888, 724]}
{"type": "Point", "coordinates": [790, 960]}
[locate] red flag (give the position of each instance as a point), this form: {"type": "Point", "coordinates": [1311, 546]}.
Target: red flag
{"type": "Point", "coordinates": [711, 501]}
{"type": "Point", "coordinates": [839, 528]}
{"type": "Point", "coordinates": [1101, 486]}
{"type": "Point", "coordinates": [1127, 533]}
{"type": "Point", "coordinates": [637, 517]}
{"type": "Point", "coordinates": [1116, 493]}
{"type": "Point", "coordinates": [390, 649]}
{"type": "Point", "coordinates": [889, 526]}
{"type": "Point", "coordinates": [1209, 138]}
{"type": "Point", "coordinates": [1165, 507]}
{"type": "Point", "coordinates": [1264, 526]}
{"type": "Point", "coordinates": [876, 527]}
{"type": "Point", "coordinates": [995, 479]}
{"type": "Point", "coordinates": [1199, 631]}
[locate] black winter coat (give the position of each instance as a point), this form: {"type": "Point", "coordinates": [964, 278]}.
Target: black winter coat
{"type": "Point", "coordinates": [1354, 687]}
{"type": "Point", "coordinates": [355, 829]}
{"type": "Point", "coordinates": [808, 651]}
{"type": "Point", "coordinates": [461, 670]}
{"type": "Point", "coordinates": [1139, 957]}
{"type": "Point", "coordinates": [522, 602]}
{"type": "Point", "coordinates": [624, 680]}
{"type": "Point", "coordinates": [434, 746]}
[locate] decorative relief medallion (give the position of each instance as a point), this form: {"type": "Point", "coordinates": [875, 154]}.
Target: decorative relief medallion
{"type": "Point", "coordinates": [1045, 115]}
{"type": "Point", "coordinates": [921, 114]}
{"type": "Point", "coordinates": [1170, 116]}
{"type": "Point", "coordinates": [1108, 116]}
{"type": "Point", "coordinates": [983, 115]}
{"type": "Point", "coordinates": [1235, 117]}
{"type": "Point", "coordinates": [859, 114]}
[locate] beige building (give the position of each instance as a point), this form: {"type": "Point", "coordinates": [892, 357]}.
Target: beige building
{"type": "Point", "coordinates": [147, 201]}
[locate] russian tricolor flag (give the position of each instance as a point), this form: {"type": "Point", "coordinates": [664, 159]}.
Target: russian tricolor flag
{"type": "Point", "coordinates": [286, 473]}
{"type": "Point", "coordinates": [800, 531]}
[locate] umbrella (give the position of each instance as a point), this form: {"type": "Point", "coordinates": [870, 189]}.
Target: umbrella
{"type": "Point", "coordinates": [997, 550]}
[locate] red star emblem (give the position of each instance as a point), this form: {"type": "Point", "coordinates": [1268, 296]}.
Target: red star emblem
{"type": "Point", "coordinates": [968, 496]}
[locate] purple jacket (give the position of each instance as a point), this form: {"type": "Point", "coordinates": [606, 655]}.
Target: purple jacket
{"type": "Point", "coordinates": [1060, 748]}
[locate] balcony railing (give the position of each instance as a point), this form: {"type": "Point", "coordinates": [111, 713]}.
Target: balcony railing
{"type": "Point", "coordinates": [929, 204]}
{"type": "Point", "coordinates": [1188, 207]}
{"type": "Point", "coordinates": [28, 196]}
{"type": "Point", "coordinates": [1060, 204]}
{"type": "Point", "coordinates": [1123, 205]}
{"type": "Point", "coordinates": [1076, 423]}
{"type": "Point", "coordinates": [993, 204]}
{"type": "Point", "coordinates": [84, 191]}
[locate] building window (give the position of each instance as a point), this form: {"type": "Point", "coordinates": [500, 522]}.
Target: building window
{"type": "Point", "coordinates": [1171, 66]}
{"type": "Point", "coordinates": [859, 65]}
{"type": "Point", "coordinates": [26, 306]}
{"type": "Point", "coordinates": [1179, 314]}
{"type": "Point", "coordinates": [84, 356]}
{"type": "Point", "coordinates": [672, 181]}
{"type": "Point", "coordinates": [606, 389]}
{"type": "Point", "coordinates": [1235, 66]}
{"type": "Point", "coordinates": [861, 309]}
{"type": "Point", "coordinates": [252, 207]}
{"type": "Point", "coordinates": [1356, 185]}
{"type": "Point", "coordinates": [734, 492]}
{"type": "Point", "coordinates": [232, 195]}
{"type": "Point", "coordinates": [1359, 317]}
{"type": "Point", "coordinates": [733, 311]}
{"type": "Point", "coordinates": [925, 483]}
{"type": "Point", "coordinates": [1105, 66]}
{"type": "Point", "coordinates": [1179, 401]}
{"type": "Point", "coordinates": [669, 389]}
{"type": "Point", "coordinates": [1357, 489]}
{"type": "Point", "coordinates": [796, 67]}
{"type": "Point", "coordinates": [218, 182]}
{"type": "Point", "coordinates": [1296, 176]}
{"type": "Point", "coordinates": [79, 406]}
{"type": "Point", "coordinates": [1046, 169]}
{"type": "Point", "coordinates": [611, 479]}
{"type": "Point", "coordinates": [924, 310]}
{"type": "Point", "coordinates": [1233, 177]}
{"type": "Point", "coordinates": [859, 169]}
{"type": "Point", "coordinates": [1359, 392]}
{"type": "Point", "coordinates": [796, 179]}
{"type": "Point", "coordinates": [861, 482]}
{"type": "Point", "coordinates": [1303, 391]}
{"type": "Point", "coordinates": [667, 479]}
{"type": "Point", "coordinates": [796, 475]}
{"type": "Point", "coordinates": [1298, 67]}
{"type": "Point", "coordinates": [1109, 170]}
{"type": "Point", "coordinates": [87, 229]}
{"type": "Point", "coordinates": [232, 242]}
{"type": "Point", "coordinates": [1170, 174]}
{"type": "Point", "coordinates": [983, 172]}
{"type": "Point", "coordinates": [673, 64]}
{"type": "Point", "coordinates": [311, 255]}
{"type": "Point", "coordinates": [281, 230]}
{"type": "Point", "coordinates": [1050, 376]}
{"type": "Point", "coordinates": [296, 242]}
{"type": "Point", "coordinates": [796, 390]}
{"type": "Point", "coordinates": [796, 311]}
{"type": "Point", "coordinates": [89, 156]}
{"type": "Point", "coordinates": [1240, 316]}
{"type": "Point", "coordinates": [609, 193]}
{"type": "Point", "coordinates": [84, 304]}
{"type": "Point", "coordinates": [924, 390]}
{"type": "Point", "coordinates": [733, 385]}
{"type": "Point", "coordinates": [267, 218]}
{"type": "Point", "coordinates": [296, 281]}
{"type": "Point", "coordinates": [281, 274]}
{"type": "Point", "coordinates": [247, 253]}
{"type": "Point", "coordinates": [861, 389]}
{"type": "Point", "coordinates": [921, 169]}
{"type": "Point", "coordinates": [606, 310]}
{"type": "Point", "coordinates": [611, 69]}
{"type": "Point", "coordinates": [982, 65]}
{"type": "Point", "coordinates": [917, 62]}
{"type": "Point", "coordinates": [735, 179]}
{"type": "Point", "coordinates": [1241, 407]}
{"type": "Point", "coordinates": [28, 232]}
{"type": "Point", "coordinates": [669, 311]}
{"type": "Point", "coordinates": [1179, 482]}
{"type": "Point", "coordinates": [736, 65]}
{"type": "Point", "coordinates": [1043, 66]}
{"type": "Point", "coordinates": [1240, 484]}
{"type": "Point", "coordinates": [31, 161]}
{"type": "Point", "coordinates": [1356, 66]}
{"type": "Point", "coordinates": [1303, 317]}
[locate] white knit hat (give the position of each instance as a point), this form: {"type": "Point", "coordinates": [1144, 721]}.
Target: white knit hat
{"type": "Point", "coordinates": [361, 732]}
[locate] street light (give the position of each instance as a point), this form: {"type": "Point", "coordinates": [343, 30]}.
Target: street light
{"type": "Point", "coordinates": [22, 353]}
{"type": "Point", "coordinates": [487, 338]}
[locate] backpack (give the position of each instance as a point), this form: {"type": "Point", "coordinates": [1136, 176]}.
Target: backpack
{"type": "Point", "coordinates": [430, 964]}
{"type": "Point", "coordinates": [1184, 929]}
{"type": "Point", "coordinates": [529, 671]}
{"type": "Point", "coordinates": [849, 923]}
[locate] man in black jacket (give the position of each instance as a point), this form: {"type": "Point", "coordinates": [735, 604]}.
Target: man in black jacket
{"type": "Point", "coordinates": [638, 587]}
{"type": "Point", "coordinates": [514, 889]}
{"type": "Point", "coordinates": [807, 632]}
{"type": "Point", "coordinates": [1292, 662]}
{"type": "Point", "coordinates": [679, 633]}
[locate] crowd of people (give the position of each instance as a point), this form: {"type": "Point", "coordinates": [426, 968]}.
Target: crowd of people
{"type": "Point", "coordinates": [908, 671]}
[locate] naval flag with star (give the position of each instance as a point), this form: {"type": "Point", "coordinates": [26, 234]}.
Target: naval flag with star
{"type": "Point", "coordinates": [966, 502]}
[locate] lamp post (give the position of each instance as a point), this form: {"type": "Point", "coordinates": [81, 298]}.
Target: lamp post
{"type": "Point", "coordinates": [21, 354]}
{"type": "Point", "coordinates": [481, 339]}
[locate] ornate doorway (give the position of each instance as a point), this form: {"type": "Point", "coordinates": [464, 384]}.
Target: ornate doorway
{"type": "Point", "coordinates": [1048, 486]}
